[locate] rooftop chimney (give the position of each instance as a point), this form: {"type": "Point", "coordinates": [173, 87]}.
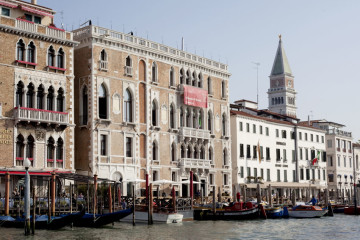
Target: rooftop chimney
{"type": "Point", "coordinates": [34, 2]}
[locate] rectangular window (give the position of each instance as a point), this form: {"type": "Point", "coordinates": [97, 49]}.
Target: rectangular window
{"type": "Point", "coordinates": [261, 152]}
{"type": "Point", "coordinates": [329, 143]}
{"type": "Point", "coordinates": [5, 12]}
{"type": "Point", "coordinates": [319, 177]}
{"type": "Point", "coordinates": [241, 126]}
{"type": "Point", "coordinates": [322, 139]}
{"type": "Point", "coordinates": [254, 128]}
{"type": "Point", "coordinates": [338, 161]}
{"type": "Point", "coordinates": [28, 17]}
{"type": "Point", "coordinates": [324, 156]}
{"type": "Point", "coordinates": [268, 175]}
{"type": "Point", "coordinates": [255, 172]}
{"type": "Point", "coordinates": [306, 154]}
{"type": "Point", "coordinates": [283, 134]}
{"type": "Point", "coordinates": [317, 138]}
{"type": "Point", "coordinates": [241, 172]}
{"type": "Point", "coordinates": [262, 173]}
{"type": "Point", "coordinates": [344, 161]}
{"type": "Point", "coordinates": [248, 172]}
{"type": "Point", "coordinates": [277, 133]}
{"type": "Point", "coordinates": [350, 165]}
{"type": "Point", "coordinates": [305, 136]}
{"type": "Point", "coordinates": [254, 151]}
{"type": "Point", "coordinates": [307, 174]}
{"type": "Point", "coordinates": [173, 176]}
{"type": "Point", "coordinates": [293, 155]}
{"type": "Point", "coordinates": [241, 150]}
{"type": "Point", "coordinates": [294, 176]}
{"type": "Point", "coordinates": [267, 153]}
{"type": "Point", "coordinates": [301, 153]}
{"type": "Point", "coordinates": [103, 145]}
{"type": "Point", "coordinates": [277, 154]}
{"type": "Point", "coordinates": [324, 177]}
{"type": "Point", "coordinates": [313, 174]}
{"type": "Point", "coordinates": [285, 176]}
{"type": "Point", "coordinates": [331, 177]}
{"type": "Point", "coordinates": [128, 147]}
{"type": "Point", "coordinates": [312, 154]}
{"type": "Point", "coordinates": [247, 127]}
{"type": "Point", "coordinates": [300, 135]}
{"type": "Point", "coordinates": [37, 20]}
{"type": "Point", "coordinates": [225, 179]}
{"type": "Point", "coordinates": [261, 129]}
{"type": "Point", "coordinates": [349, 145]}
{"type": "Point", "coordinates": [311, 137]}
{"type": "Point", "coordinates": [330, 161]}
{"type": "Point", "coordinates": [211, 179]}
{"type": "Point", "coordinates": [278, 175]}
{"type": "Point", "coordinates": [302, 174]}
{"type": "Point", "coordinates": [267, 131]}
{"type": "Point", "coordinates": [292, 135]}
{"type": "Point", "coordinates": [248, 153]}
{"type": "Point", "coordinates": [284, 155]}
{"type": "Point", "coordinates": [338, 143]}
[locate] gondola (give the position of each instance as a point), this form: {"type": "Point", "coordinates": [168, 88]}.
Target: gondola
{"type": "Point", "coordinates": [231, 213]}
{"type": "Point", "coordinates": [99, 220]}
{"type": "Point", "coordinates": [41, 221]}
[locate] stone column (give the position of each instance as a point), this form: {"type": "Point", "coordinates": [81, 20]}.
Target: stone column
{"type": "Point", "coordinates": [53, 186]}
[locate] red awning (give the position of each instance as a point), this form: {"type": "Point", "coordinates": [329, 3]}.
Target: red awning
{"type": "Point", "coordinates": [35, 11]}
{"type": "Point", "coordinates": [8, 4]}
{"type": "Point", "coordinates": [36, 173]}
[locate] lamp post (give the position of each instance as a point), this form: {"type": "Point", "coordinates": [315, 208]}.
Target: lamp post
{"type": "Point", "coordinates": [27, 164]}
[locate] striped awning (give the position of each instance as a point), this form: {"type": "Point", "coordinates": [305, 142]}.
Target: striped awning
{"type": "Point", "coordinates": [8, 4]}
{"type": "Point", "coordinates": [36, 11]}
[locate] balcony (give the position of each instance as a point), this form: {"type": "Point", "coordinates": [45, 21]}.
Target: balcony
{"type": "Point", "coordinates": [128, 71]}
{"type": "Point", "coordinates": [103, 65]}
{"type": "Point", "coordinates": [41, 116]}
{"type": "Point", "coordinates": [194, 163]}
{"type": "Point", "coordinates": [194, 134]}
{"type": "Point", "coordinates": [338, 132]}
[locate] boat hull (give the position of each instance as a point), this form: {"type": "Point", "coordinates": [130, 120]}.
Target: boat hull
{"type": "Point", "coordinates": [99, 220]}
{"type": "Point", "coordinates": [247, 214]}
{"type": "Point", "coordinates": [307, 214]}
{"type": "Point", "coordinates": [274, 212]}
{"type": "Point", "coordinates": [142, 216]}
{"type": "Point", "coordinates": [351, 210]}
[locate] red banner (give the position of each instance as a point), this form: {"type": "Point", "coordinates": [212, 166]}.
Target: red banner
{"type": "Point", "coordinates": [195, 96]}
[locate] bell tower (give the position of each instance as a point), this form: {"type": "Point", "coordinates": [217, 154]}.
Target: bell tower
{"type": "Point", "coordinates": [281, 93]}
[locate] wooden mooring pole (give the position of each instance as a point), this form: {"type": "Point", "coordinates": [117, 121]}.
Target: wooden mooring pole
{"type": "Point", "coordinates": [34, 212]}
{"type": "Point", "coordinates": [150, 209]}
{"type": "Point", "coordinates": [134, 201]}
{"type": "Point", "coordinates": [214, 200]}
{"type": "Point", "coordinates": [49, 203]}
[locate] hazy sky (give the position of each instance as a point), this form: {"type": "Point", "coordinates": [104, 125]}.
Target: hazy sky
{"type": "Point", "coordinates": [321, 40]}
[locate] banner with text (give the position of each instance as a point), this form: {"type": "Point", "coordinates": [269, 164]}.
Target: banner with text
{"type": "Point", "coordinates": [195, 96]}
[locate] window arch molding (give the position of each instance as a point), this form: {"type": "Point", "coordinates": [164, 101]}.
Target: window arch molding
{"type": "Point", "coordinates": [172, 77]}
{"type": "Point", "coordinates": [103, 101]}
{"type": "Point", "coordinates": [51, 56]}
{"type": "Point", "coordinates": [61, 58]}
{"type": "Point", "coordinates": [173, 152]}
{"type": "Point", "coordinates": [31, 53]}
{"type": "Point", "coordinates": [20, 50]}
{"type": "Point", "coordinates": [155, 108]}
{"type": "Point", "coordinates": [154, 72]}
{"type": "Point", "coordinates": [172, 116]}
{"type": "Point", "coordinates": [155, 151]}
{"type": "Point", "coordinates": [129, 106]}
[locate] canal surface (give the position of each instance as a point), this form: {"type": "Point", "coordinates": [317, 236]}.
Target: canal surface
{"type": "Point", "coordinates": [337, 227]}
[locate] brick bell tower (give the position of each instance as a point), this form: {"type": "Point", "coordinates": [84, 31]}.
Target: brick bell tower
{"type": "Point", "coordinates": [282, 95]}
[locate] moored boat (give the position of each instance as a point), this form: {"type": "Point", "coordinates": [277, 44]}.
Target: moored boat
{"type": "Point", "coordinates": [306, 211]}
{"type": "Point", "coordinates": [142, 216]}
{"type": "Point", "coordinates": [350, 210]}
{"type": "Point", "coordinates": [276, 212]}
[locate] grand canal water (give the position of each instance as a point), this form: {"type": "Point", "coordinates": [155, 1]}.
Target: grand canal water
{"type": "Point", "coordinates": [337, 227]}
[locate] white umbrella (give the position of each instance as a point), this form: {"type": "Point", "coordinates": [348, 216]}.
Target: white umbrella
{"type": "Point", "coordinates": [188, 182]}
{"type": "Point", "coordinates": [163, 181]}
{"type": "Point", "coordinates": [134, 180]}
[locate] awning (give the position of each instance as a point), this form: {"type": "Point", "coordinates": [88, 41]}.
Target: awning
{"type": "Point", "coordinates": [32, 173]}
{"type": "Point", "coordinates": [35, 11]}
{"type": "Point", "coordinates": [8, 4]}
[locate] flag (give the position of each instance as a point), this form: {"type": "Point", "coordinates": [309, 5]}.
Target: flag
{"type": "Point", "coordinates": [258, 150]}
{"type": "Point", "coordinates": [316, 158]}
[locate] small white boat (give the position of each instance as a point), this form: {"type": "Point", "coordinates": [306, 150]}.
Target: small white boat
{"type": "Point", "coordinates": [306, 211]}
{"type": "Point", "coordinates": [141, 216]}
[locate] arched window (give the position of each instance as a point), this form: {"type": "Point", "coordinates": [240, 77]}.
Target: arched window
{"type": "Point", "coordinates": [128, 61]}
{"type": "Point", "coordinates": [202, 153]}
{"type": "Point", "coordinates": [154, 117]}
{"type": "Point", "coordinates": [61, 59]}
{"type": "Point", "coordinates": [172, 77]}
{"type": "Point", "coordinates": [209, 83]}
{"type": "Point", "coordinates": [224, 124]}
{"type": "Point", "coordinates": [194, 83]}
{"type": "Point", "coordinates": [60, 153]}
{"type": "Point", "coordinates": [182, 151]}
{"type": "Point", "coordinates": [282, 100]}
{"type": "Point", "coordinates": [194, 117]}
{"type": "Point", "coordinates": [20, 150]}
{"type": "Point", "coordinates": [40, 97]}
{"type": "Point", "coordinates": [128, 106]}
{"type": "Point", "coordinates": [181, 117]}
{"type": "Point", "coordinates": [30, 96]}
{"type": "Point", "coordinates": [188, 82]}
{"type": "Point", "coordinates": [103, 55]}
{"type": "Point", "coordinates": [31, 53]}
{"type": "Point", "coordinates": [30, 148]}
{"type": "Point", "coordinates": [210, 154]}
{"type": "Point", "coordinates": [51, 57]}
{"type": "Point", "coordinates": [154, 72]}
{"type": "Point", "coordinates": [20, 50]}
{"type": "Point", "coordinates": [50, 152]}
{"type": "Point", "coordinates": [19, 94]}
{"type": "Point", "coordinates": [188, 151]}
{"type": "Point", "coordinates": [172, 116]}
{"type": "Point", "coordinates": [225, 157]}
{"type": "Point", "coordinates": [102, 102]}
{"type": "Point", "coordinates": [196, 153]}
{"type": "Point", "coordinates": [200, 122]}
{"type": "Point", "coordinates": [182, 75]}
{"type": "Point", "coordinates": [60, 100]}
{"type": "Point", "coordinates": [173, 152]}
{"type": "Point", "coordinates": [154, 151]}
{"type": "Point", "coordinates": [188, 118]}
{"type": "Point", "coordinates": [200, 81]}
{"type": "Point", "coordinates": [50, 99]}
{"type": "Point", "coordinates": [209, 121]}
{"type": "Point", "coordinates": [84, 118]}
{"type": "Point", "coordinates": [155, 175]}
{"type": "Point", "coordinates": [223, 89]}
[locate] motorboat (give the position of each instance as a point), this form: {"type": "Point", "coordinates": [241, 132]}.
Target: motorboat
{"type": "Point", "coordinates": [306, 211]}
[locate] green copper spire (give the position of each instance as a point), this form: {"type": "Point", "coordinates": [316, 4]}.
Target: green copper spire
{"type": "Point", "coordinates": [281, 64]}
